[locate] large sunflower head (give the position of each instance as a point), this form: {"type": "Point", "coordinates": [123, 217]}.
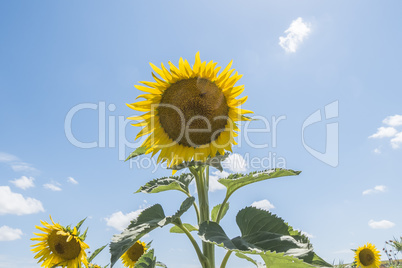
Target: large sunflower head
{"type": "Point", "coordinates": [190, 113]}
{"type": "Point", "coordinates": [367, 256]}
{"type": "Point", "coordinates": [59, 246]}
{"type": "Point", "coordinates": [133, 254]}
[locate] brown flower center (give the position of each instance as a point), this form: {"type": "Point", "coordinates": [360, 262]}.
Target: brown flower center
{"type": "Point", "coordinates": [66, 250]}
{"type": "Point", "coordinates": [193, 112]}
{"type": "Point", "coordinates": [366, 257]}
{"type": "Point", "coordinates": [135, 252]}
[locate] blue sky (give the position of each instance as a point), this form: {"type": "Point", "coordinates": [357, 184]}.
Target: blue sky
{"type": "Point", "coordinates": [56, 56]}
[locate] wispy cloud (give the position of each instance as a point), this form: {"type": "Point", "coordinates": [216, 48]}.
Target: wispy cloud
{"type": "Point", "coordinates": [235, 163]}
{"type": "Point", "coordinates": [52, 186]}
{"type": "Point", "coordinates": [14, 203]}
{"type": "Point", "coordinates": [72, 180]}
{"type": "Point", "coordinates": [384, 224]}
{"type": "Point", "coordinates": [263, 204]}
{"type": "Point", "coordinates": [393, 120]}
{"type": "Point", "coordinates": [375, 190]}
{"type": "Point", "coordinates": [295, 34]}
{"type": "Point", "coordinates": [9, 234]}
{"type": "Point", "coordinates": [24, 182]}
{"type": "Point", "coordinates": [16, 164]}
{"type": "Point", "coordinates": [120, 221]}
{"type": "Point", "coordinates": [5, 157]}
{"type": "Point", "coordinates": [384, 132]}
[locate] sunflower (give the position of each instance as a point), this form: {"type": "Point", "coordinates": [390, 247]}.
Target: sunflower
{"type": "Point", "coordinates": [133, 254]}
{"type": "Point", "coordinates": [190, 113]}
{"type": "Point", "coordinates": [367, 256]}
{"type": "Point", "coordinates": [59, 246]}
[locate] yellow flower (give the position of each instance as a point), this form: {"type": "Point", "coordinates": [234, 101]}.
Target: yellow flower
{"type": "Point", "coordinates": [190, 112]}
{"type": "Point", "coordinates": [133, 254]}
{"type": "Point", "coordinates": [93, 266]}
{"type": "Point", "coordinates": [59, 246]}
{"type": "Point", "coordinates": [367, 256]}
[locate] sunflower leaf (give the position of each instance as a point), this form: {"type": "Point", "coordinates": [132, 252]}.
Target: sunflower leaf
{"type": "Point", "coordinates": [211, 161]}
{"type": "Point", "coordinates": [189, 227]}
{"type": "Point", "coordinates": [235, 181]}
{"type": "Point", "coordinates": [161, 264]}
{"type": "Point", "coordinates": [137, 152]}
{"type": "Point", "coordinates": [148, 220]}
{"type": "Point", "coordinates": [215, 210]}
{"type": "Point", "coordinates": [78, 226]}
{"type": "Point", "coordinates": [95, 253]}
{"type": "Point", "coordinates": [256, 263]}
{"type": "Point", "coordinates": [147, 260]}
{"type": "Point", "coordinates": [179, 183]}
{"type": "Point", "coordinates": [265, 234]}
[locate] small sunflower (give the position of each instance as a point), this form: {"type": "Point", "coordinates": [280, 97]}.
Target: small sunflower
{"type": "Point", "coordinates": [133, 254]}
{"type": "Point", "coordinates": [367, 256]}
{"type": "Point", "coordinates": [59, 246]}
{"type": "Point", "coordinates": [190, 113]}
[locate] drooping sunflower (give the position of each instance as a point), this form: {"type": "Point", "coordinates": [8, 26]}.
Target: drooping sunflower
{"type": "Point", "coordinates": [133, 254]}
{"type": "Point", "coordinates": [367, 256]}
{"type": "Point", "coordinates": [59, 246]}
{"type": "Point", "coordinates": [190, 113]}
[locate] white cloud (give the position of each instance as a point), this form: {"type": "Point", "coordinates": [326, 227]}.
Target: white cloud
{"type": "Point", "coordinates": [9, 234]}
{"type": "Point", "coordinates": [375, 190]}
{"type": "Point", "coordinates": [72, 180]}
{"type": "Point", "coordinates": [13, 203]}
{"type": "Point", "coordinates": [383, 132]}
{"type": "Point", "coordinates": [23, 167]}
{"type": "Point", "coordinates": [120, 221]}
{"type": "Point", "coordinates": [24, 182]}
{"type": "Point", "coordinates": [263, 204]}
{"type": "Point", "coordinates": [396, 141]}
{"type": "Point", "coordinates": [393, 120]}
{"type": "Point", "coordinates": [377, 150]}
{"type": "Point", "coordinates": [5, 157]}
{"type": "Point", "coordinates": [51, 186]}
{"type": "Point", "coordinates": [213, 180]}
{"type": "Point", "coordinates": [384, 224]}
{"type": "Point", "coordinates": [296, 33]}
{"type": "Point", "coordinates": [235, 163]}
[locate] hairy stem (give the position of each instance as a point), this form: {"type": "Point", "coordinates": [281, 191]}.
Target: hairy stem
{"type": "Point", "coordinates": [226, 258]}
{"type": "Point", "coordinates": [203, 260]}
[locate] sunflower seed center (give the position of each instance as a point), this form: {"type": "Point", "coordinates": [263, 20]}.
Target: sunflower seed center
{"type": "Point", "coordinates": [193, 112]}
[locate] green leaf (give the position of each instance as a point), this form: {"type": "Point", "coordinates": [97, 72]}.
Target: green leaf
{"type": "Point", "coordinates": [179, 183]}
{"type": "Point", "coordinates": [235, 181]}
{"type": "Point", "coordinates": [148, 220]}
{"type": "Point", "coordinates": [161, 264]}
{"type": "Point", "coordinates": [211, 161]}
{"type": "Point", "coordinates": [252, 220]}
{"type": "Point", "coordinates": [279, 260]}
{"type": "Point", "coordinates": [215, 210]}
{"type": "Point", "coordinates": [96, 252]}
{"type": "Point", "coordinates": [262, 233]}
{"type": "Point", "coordinates": [78, 226]}
{"type": "Point", "coordinates": [147, 260]}
{"type": "Point", "coordinates": [318, 261]}
{"type": "Point", "coordinates": [137, 152]}
{"type": "Point", "coordinates": [177, 230]}
{"type": "Point", "coordinates": [256, 263]}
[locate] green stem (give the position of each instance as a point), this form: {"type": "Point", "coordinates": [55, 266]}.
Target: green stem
{"type": "Point", "coordinates": [219, 216]}
{"type": "Point", "coordinates": [202, 190]}
{"type": "Point", "coordinates": [201, 257]}
{"type": "Point", "coordinates": [226, 258]}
